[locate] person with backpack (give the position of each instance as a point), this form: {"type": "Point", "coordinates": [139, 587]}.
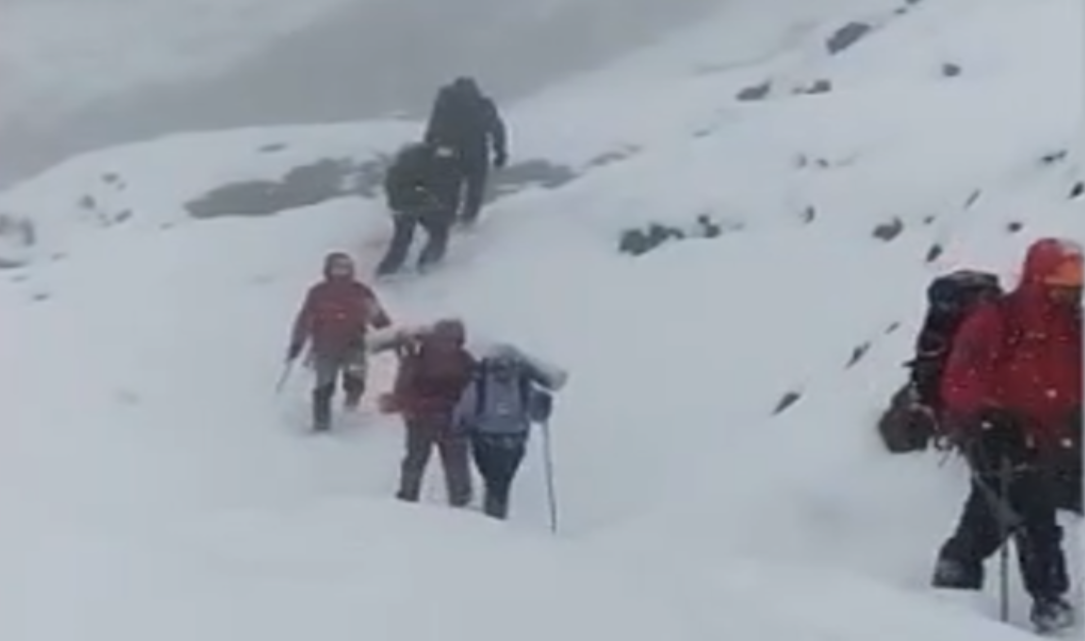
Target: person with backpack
{"type": "Point", "coordinates": [468, 121]}
{"type": "Point", "coordinates": [508, 393]}
{"type": "Point", "coordinates": [434, 370]}
{"type": "Point", "coordinates": [915, 414]}
{"type": "Point", "coordinates": [334, 318]}
{"type": "Point", "coordinates": [422, 189]}
{"type": "Point", "coordinates": [1011, 390]}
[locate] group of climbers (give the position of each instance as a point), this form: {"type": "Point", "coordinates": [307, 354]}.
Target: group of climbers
{"type": "Point", "coordinates": [442, 179]}
{"type": "Point", "coordinates": [998, 377]}
{"type": "Point", "coordinates": [461, 403]}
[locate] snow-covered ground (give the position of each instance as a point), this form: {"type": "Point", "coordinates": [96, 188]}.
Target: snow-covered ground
{"type": "Point", "coordinates": [155, 486]}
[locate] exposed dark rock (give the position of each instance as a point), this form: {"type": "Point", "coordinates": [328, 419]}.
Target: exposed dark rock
{"type": "Point", "coordinates": [972, 198]}
{"type": "Point", "coordinates": [819, 86]}
{"type": "Point", "coordinates": [950, 70]}
{"type": "Point", "coordinates": [935, 252]}
{"type": "Point", "coordinates": [929, 220]}
{"type": "Point", "coordinates": [847, 36]}
{"type": "Point", "coordinates": [894, 326]}
{"type": "Point", "coordinates": [755, 92]}
{"type": "Point", "coordinates": [1078, 189]}
{"type": "Point", "coordinates": [88, 202]}
{"type": "Point", "coordinates": [889, 231]}
{"type": "Point", "coordinates": [329, 178]}
{"type": "Point", "coordinates": [809, 214]}
{"type": "Point", "coordinates": [857, 354]}
{"type": "Point", "coordinates": [786, 401]}
{"type": "Point", "coordinates": [611, 157]}
{"type": "Point", "coordinates": [1015, 227]}
{"type": "Point", "coordinates": [111, 178]}
{"type": "Point", "coordinates": [272, 147]}
{"type": "Point", "coordinates": [1054, 157]}
{"type": "Point", "coordinates": [640, 241]}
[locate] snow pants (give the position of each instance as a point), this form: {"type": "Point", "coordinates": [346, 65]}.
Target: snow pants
{"type": "Point", "coordinates": [983, 529]}
{"type": "Point", "coordinates": [422, 435]}
{"type": "Point", "coordinates": [474, 172]}
{"type": "Point", "coordinates": [352, 366]}
{"type": "Point", "coordinates": [437, 225]}
{"type": "Point", "coordinates": [497, 460]}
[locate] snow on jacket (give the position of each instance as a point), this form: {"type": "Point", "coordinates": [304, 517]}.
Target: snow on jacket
{"type": "Point", "coordinates": [1021, 354]}
{"type": "Point", "coordinates": [505, 408]}
{"type": "Point", "coordinates": [336, 315]}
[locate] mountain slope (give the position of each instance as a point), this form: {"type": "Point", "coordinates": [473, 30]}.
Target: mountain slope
{"type": "Point", "coordinates": [154, 461]}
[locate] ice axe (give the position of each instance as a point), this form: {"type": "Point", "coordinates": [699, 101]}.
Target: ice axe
{"type": "Point", "coordinates": [287, 368]}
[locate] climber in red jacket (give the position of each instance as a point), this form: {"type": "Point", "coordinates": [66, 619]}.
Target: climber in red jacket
{"type": "Point", "coordinates": [1012, 391]}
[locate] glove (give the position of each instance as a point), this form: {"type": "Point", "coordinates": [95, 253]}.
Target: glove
{"type": "Point", "coordinates": [501, 158]}
{"type": "Point", "coordinates": [293, 351]}
{"type": "Point", "coordinates": [998, 436]}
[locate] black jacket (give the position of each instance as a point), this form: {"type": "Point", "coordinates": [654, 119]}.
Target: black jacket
{"type": "Point", "coordinates": [467, 121]}
{"type": "Point", "coordinates": [420, 182]}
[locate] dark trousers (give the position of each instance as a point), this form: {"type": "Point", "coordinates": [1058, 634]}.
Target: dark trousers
{"type": "Point", "coordinates": [983, 528]}
{"type": "Point", "coordinates": [497, 460]}
{"type": "Point", "coordinates": [423, 434]}
{"type": "Point", "coordinates": [437, 227]}
{"type": "Point", "coordinates": [473, 176]}
{"type": "Point", "coordinates": [351, 365]}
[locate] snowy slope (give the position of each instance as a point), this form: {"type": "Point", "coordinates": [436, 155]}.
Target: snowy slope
{"type": "Point", "coordinates": [158, 487]}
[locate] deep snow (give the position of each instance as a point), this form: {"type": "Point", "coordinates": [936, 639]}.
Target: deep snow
{"type": "Point", "coordinates": [156, 486]}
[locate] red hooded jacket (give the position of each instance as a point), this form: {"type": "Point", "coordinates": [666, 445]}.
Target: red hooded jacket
{"type": "Point", "coordinates": [336, 315]}
{"type": "Point", "coordinates": [1021, 354]}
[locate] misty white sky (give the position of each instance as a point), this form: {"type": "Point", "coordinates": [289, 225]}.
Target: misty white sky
{"type": "Point", "coordinates": [82, 74]}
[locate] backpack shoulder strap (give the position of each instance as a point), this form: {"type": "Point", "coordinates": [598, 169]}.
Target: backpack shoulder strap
{"type": "Point", "coordinates": [481, 376]}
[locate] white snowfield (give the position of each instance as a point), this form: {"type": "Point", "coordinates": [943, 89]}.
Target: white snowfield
{"type": "Point", "coordinates": [155, 487]}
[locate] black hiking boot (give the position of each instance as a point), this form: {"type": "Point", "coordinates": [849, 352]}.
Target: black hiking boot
{"type": "Point", "coordinates": [494, 507]}
{"type": "Point", "coordinates": [951, 574]}
{"type": "Point", "coordinates": [1050, 614]}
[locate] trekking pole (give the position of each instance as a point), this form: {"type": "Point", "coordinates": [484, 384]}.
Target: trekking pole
{"type": "Point", "coordinates": [1004, 554]}
{"type": "Point", "coordinates": [284, 376]}
{"type": "Point", "coordinates": [549, 471]}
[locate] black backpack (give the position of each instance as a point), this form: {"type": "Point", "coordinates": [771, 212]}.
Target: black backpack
{"type": "Point", "coordinates": [950, 299]}
{"type": "Point", "coordinates": [911, 420]}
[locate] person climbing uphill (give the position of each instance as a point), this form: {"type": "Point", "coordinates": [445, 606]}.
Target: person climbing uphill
{"type": "Point", "coordinates": [466, 120]}
{"type": "Point", "coordinates": [422, 189]}
{"type": "Point", "coordinates": [509, 392]}
{"type": "Point", "coordinates": [1012, 392]}
{"type": "Point", "coordinates": [434, 369]}
{"type": "Point", "coordinates": [334, 319]}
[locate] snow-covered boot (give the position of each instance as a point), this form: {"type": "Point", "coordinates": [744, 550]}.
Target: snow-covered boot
{"type": "Point", "coordinates": [1050, 614]}
{"type": "Point", "coordinates": [322, 408]}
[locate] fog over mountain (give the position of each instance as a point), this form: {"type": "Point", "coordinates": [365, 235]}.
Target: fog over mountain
{"type": "Point", "coordinates": [83, 74]}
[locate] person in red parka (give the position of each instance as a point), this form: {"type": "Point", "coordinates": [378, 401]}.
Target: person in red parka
{"type": "Point", "coordinates": [1012, 391]}
{"type": "Point", "coordinates": [334, 319]}
{"type": "Point", "coordinates": [435, 368]}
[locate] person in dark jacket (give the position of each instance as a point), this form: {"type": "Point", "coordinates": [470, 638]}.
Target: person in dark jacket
{"type": "Point", "coordinates": [1012, 389]}
{"type": "Point", "coordinates": [334, 319]}
{"type": "Point", "coordinates": [434, 369]}
{"type": "Point", "coordinates": [468, 121]}
{"type": "Point", "coordinates": [508, 393]}
{"type": "Point", "coordinates": [421, 187]}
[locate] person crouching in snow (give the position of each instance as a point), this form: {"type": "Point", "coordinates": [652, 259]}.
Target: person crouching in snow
{"type": "Point", "coordinates": [1012, 388]}
{"type": "Point", "coordinates": [433, 371]}
{"type": "Point", "coordinates": [335, 317]}
{"type": "Point", "coordinates": [509, 392]}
